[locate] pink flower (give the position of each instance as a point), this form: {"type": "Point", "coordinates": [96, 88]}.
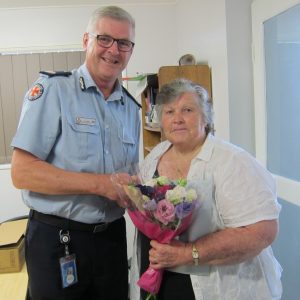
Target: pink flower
{"type": "Point", "coordinates": [165, 212]}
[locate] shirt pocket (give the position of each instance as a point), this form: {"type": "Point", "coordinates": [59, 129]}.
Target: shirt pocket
{"type": "Point", "coordinates": [83, 139]}
{"type": "Point", "coordinates": [128, 145]}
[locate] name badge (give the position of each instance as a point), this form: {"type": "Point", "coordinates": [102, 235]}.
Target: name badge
{"type": "Point", "coordinates": [68, 270]}
{"type": "Point", "coordinates": [85, 121]}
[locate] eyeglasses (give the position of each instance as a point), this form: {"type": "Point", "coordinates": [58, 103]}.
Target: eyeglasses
{"type": "Point", "coordinates": [107, 41]}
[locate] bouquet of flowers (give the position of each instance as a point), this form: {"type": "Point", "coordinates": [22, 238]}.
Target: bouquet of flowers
{"type": "Point", "coordinates": [162, 209]}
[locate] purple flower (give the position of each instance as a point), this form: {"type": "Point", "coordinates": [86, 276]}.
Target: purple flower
{"type": "Point", "coordinates": [164, 201]}
{"type": "Point", "coordinates": [184, 209]}
{"type": "Point", "coordinates": [150, 205]}
{"type": "Point", "coordinates": [146, 190]}
{"type": "Point", "coordinates": [165, 212]}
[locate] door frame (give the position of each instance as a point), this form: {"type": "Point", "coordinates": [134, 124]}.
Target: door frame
{"type": "Point", "coordinates": [263, 10]}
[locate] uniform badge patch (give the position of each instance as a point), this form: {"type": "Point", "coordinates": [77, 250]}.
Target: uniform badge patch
{"type": "Point", "coordinates": [36, 92]}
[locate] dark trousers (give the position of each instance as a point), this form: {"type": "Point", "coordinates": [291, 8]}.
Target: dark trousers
{"type": "Point", "coordinates": [101, 258]}
{"type": "Point", "coordinates": [174, 286]}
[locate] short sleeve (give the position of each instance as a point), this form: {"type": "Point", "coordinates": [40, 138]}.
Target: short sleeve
{"type": "Point", "coordinates": [39, 123]}
{"type": "Point", "coordinates": [245, 191]}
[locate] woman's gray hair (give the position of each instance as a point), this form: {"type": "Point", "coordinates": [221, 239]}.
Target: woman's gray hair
{"type": "Point", "coordinates": [113, 12]}
{"type": "Point", "coordinates": [170, 92]}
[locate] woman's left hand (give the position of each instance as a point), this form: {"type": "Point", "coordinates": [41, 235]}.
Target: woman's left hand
{"type": "Point", "coordinates": [170, 255]}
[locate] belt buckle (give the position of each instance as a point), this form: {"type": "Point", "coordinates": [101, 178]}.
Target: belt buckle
{"type": "Point", "coordinates": [100, 227]}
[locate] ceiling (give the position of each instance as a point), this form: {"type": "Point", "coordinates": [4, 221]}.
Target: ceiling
{"type": "Point", "coordinates": [33, 3]}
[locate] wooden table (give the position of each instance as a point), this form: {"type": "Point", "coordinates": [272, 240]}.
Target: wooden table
{"type": "Point", "coordinates": [13, 286]}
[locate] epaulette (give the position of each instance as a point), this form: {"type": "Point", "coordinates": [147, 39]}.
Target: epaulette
{"type": "Point", "coordinates": [56, 73]}
{"type": "Point", "coordinates": [131, 97]}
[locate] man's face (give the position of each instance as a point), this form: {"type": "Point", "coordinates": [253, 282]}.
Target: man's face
{"type": "Point", "coordinates": [106, 64]}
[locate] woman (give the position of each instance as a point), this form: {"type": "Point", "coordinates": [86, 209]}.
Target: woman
{"type": "Point", "coordinates": [225, 254]}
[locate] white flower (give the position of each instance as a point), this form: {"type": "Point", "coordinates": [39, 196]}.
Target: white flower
{"type": "Point", "coordinates": [151, 182]}
{"type": "Point", "coordinates": [191, 195]}
{"type": "Point", "coordinates": [162, 180]}
{"type": "Point", "coordinates": [146, 198]}
{"type": "Point", "coordinates": [176, 195]}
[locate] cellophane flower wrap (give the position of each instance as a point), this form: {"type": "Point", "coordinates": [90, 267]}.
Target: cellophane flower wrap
{"type": "Point", "coordinates": [162, 209]}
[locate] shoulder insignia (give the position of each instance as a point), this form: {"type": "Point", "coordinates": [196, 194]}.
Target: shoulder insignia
{"type": "Point", "coordinates": [82, 83]}
{"type": "Point", "coordinates": [131, 97]}
{"type": "Point", "coordinates": [36, 92]}
{"type": "Point", "coordinates": [56, 73]}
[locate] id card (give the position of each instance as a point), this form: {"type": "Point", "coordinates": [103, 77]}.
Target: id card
{"type": "Point", "coordinates": [68, 270]}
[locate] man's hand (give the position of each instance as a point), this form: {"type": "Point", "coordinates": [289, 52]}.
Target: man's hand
{"type": "Point", "coordinates": [118, 180]}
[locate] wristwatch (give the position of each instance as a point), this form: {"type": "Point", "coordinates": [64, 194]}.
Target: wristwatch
{"type": "Point", "coordinates": [195, 255]}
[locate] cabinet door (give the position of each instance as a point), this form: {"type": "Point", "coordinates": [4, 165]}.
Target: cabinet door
{"type": "Point", "coordinates": [198, 73]}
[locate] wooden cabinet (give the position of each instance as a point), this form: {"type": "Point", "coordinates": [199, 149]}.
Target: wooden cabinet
{"type": "Point", "coordinates": [198, 73]}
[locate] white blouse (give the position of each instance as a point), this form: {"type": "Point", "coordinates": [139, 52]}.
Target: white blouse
{"type": "Point", "coordinates": [234, 190]}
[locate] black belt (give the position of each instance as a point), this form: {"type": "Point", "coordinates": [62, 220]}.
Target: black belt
{"type": "Point", "coordinates": [66, 223]}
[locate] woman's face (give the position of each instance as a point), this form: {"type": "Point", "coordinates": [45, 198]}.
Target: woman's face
{"type": "Point", "coordinates": [182, 121]}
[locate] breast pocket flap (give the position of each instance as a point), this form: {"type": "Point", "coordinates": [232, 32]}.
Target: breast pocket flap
{"type": "Point", "coordinates": [125, 137]}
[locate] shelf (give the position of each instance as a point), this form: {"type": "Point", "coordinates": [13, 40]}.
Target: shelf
{"type": "Point", "coordinates": [148, 148]}
{"type": "Point", "coordinates": [154, 129]}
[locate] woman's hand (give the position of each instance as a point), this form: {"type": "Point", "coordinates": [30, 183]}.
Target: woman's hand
{"type": "Point", "coordinates": [224, 247]}
{"type": "Point", "coordinates": [170, 255]}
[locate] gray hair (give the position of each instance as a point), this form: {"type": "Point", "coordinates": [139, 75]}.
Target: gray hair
{"type": "Point", "coordinates": [113, 12]}
{"type": "Point", "coordinates": [170, 92]}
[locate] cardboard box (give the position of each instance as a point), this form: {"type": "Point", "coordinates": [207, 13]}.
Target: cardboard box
{"type": "Point", "coordinates": [12, 248]}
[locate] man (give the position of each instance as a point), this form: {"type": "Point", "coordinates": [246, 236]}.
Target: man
{"type": "Point", "coordinates": [75, 130]}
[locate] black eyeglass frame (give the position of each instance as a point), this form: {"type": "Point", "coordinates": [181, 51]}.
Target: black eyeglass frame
{"type": "Point", "coordinates": [97, 36]}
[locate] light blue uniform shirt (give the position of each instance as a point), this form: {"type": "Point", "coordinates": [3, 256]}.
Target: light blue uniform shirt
{"type": "Point", "coordinates": [72, 127]}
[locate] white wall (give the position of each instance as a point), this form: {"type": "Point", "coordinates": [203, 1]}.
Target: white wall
{"type": "Point", "coordinates": [11, 204]}
{"type": "Point", "coordinates": [240, 74]}
{"type": "Point", "coordinates": [219, 33]}
{"type": "Point", "coordinates": [42, 28]}
{"type": "Point", "coordinates": [201, 30]}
